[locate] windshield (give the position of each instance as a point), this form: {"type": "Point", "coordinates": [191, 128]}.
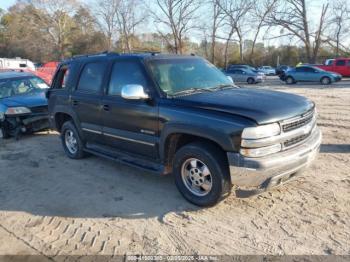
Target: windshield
{"type": "Point", "coordinates": [179, 75]}
{"type": "Point", "coordinates": [21, 86]}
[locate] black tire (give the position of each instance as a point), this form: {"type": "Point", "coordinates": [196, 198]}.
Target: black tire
{"type": "Point", "coordinates": [216, 162]}
{"type": "Point", "coordinates": [290, 80]}
{"type": "Point", "coordinates": [326, 80]}
{"type": "Point", "coordinates": [250, 81]}
{"type": "Point", "coordinates": [69, 127]}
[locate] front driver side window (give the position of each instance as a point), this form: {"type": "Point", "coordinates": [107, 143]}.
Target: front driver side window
{"type": "Point", "coordinates": [125, 73]}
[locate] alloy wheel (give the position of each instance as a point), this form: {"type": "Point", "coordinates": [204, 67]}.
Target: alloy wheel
{"type": "Point", "coordinates": [196, 176]}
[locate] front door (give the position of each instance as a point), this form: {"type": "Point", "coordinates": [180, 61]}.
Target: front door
{"type": "Point", "coordinates": [129, 125]}
{"type": "Point", "coordinates": [86, 99]}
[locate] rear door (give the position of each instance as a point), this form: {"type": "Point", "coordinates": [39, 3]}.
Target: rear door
{"type": "Point", "coordinates": [300, 74]}
{"type": "Point", "coordinates": [86, 99]}
{"type": "Point", "coordinates": [129, 125]}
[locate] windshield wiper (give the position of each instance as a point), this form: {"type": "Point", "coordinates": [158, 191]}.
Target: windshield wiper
{"type": "Point", "coordinates": [192, 90]}
{"type": "Point", "coordinates": [224, 86]}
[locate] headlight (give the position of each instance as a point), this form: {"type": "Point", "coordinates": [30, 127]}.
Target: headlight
{"type": "Point", "coordinates": [261, 131]}
{"type": "Point", "coordinates": [262, 151]}
{"type": "Point", "coordinates": [17, 111]}
{"type": "Point", "coordinates": [2, 116]}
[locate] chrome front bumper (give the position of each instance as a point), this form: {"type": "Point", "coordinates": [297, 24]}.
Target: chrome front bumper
{"type": "Point", "coordinates": [264, 172]}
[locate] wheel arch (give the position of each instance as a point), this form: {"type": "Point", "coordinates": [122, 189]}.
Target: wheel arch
{"type": "Point", "coordinates": [176, 138]}
{"type": "Point", "coordinates": [61, 115]}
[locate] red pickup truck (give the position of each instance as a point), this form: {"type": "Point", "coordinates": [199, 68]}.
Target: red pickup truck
{"type": "Point", "coordinates": [339, 65]}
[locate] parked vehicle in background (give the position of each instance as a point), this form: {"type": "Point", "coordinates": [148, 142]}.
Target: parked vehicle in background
{"type": "Point", "coordinates": [310, 74]}
{"type": "Point", "coordinates": [280, 70]}
{"type": "Point", "coordinates": [241, 75]}
{"type": "Point", "coordinates": [44, 71]}
{"type": "Point", "coordinates": [16, 63]}
{"type": "Point", "coordinates": [47, 70]}
{"type": "Point", "coordinates": [23, 105]}
{"type": "Point", "coordinates": [329, 62]}
{"type": "Point", "coordinates": [248, 67]}
{"type": "Point", "coordinates": [181, 115]}
{"type": "Point", "coordinates": [339, 65]}
{"type": "Point", "coordinates": [268, 70]}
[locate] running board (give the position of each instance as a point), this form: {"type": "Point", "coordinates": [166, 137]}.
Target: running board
{"type": "Point", "coordinates": [123, 158]}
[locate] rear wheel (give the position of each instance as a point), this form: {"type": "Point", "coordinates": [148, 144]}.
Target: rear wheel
{"type": "Point", "coordinates": [290, 80]}
{"type": "Point", "coordinates": [250, 81]}
{"type": "Point", "coordinates": [71, 141]}
{"type": "Point", "coordinates": [201, 174]}
{"type": "Point", "coordinates": [325, 80]}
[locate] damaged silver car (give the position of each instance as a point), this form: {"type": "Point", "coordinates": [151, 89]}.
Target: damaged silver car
{"type": "Point", "coordinates": [23, 105]}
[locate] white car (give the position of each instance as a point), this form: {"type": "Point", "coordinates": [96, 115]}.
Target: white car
{"type": "Point", "coordinates": [268, 70]}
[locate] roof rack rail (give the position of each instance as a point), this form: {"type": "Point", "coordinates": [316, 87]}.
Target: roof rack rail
{"type": "Point", "coordinates": [145, 52]}
{"type": "Point", "coordinates": [104, 53]}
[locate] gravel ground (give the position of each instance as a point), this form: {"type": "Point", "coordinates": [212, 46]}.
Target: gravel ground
{"type": "Point", "coordinates": [52, 205]}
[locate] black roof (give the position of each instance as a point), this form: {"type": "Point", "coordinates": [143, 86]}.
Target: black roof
{"type": "Point", "coordinates": [14, 74]}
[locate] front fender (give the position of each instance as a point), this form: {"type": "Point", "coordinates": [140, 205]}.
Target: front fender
{"type": "Point", "coordinates": [225, 141]}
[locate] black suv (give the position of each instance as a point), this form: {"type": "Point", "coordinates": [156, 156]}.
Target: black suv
{"type": "Point", "coordinates": [181, 115]}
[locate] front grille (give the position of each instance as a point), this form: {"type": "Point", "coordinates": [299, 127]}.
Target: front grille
{"type": "Point", "coordinates": [295, 140]}
{"type": "Point", "coordinates": [302, 121]}
{"type": "Point", "coordinates": [39, 110]}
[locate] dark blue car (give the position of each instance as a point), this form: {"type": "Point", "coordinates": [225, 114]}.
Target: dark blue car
{"type": "Point", "coordinates": [23, 105]}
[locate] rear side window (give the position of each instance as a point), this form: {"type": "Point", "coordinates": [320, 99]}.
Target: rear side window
{"type": "Point", "coordinates": [340, 63]}
{"type": "Point", "coordinates": [91, 77]}
{"type": "Point", "coordinates": [62, 77]}
{"type": "Point", "coordinates": [126, 73]}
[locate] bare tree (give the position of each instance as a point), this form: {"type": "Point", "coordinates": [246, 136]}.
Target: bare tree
{"type": "Point", "coordinates": [107, 12]}
{"type": "Point", "coordinates": [292, 15]}
{"type": "Point", "coordinates": [178, 16]}
{"type": "Point", "coordinates": [128, 19]}
{"type": "Point", "coordinates": [260, 12]}
{"type": "Point", "coordinates": [57, 20]}
{"type": "Point", "coordinates": [338, 25]}
{"type": "Point", "coordinates": [217, 22]}
{"type": "Point", "coordinates": [235, 12]}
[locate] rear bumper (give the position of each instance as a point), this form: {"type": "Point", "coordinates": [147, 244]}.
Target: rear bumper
{"type": "Point", "coordinates": [262, 173]}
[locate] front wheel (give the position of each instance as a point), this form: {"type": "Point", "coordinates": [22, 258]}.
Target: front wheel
{"type": "Point", "coordinates": [201, 174]}
{"type": "Point", "coordinates": [325, 81]}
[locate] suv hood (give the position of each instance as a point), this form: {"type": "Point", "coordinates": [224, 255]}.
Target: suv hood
{"type": "Point", "coordinates": [262, 106]}
{"type": "Point", "coordinates": [30, 100]}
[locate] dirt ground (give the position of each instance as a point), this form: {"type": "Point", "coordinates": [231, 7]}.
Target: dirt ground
{"type": "Point", "coordinates": [52, 205]}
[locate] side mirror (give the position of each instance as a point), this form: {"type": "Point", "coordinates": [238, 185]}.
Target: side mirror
{"type": "Point", "coordinates": [134, 92]}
